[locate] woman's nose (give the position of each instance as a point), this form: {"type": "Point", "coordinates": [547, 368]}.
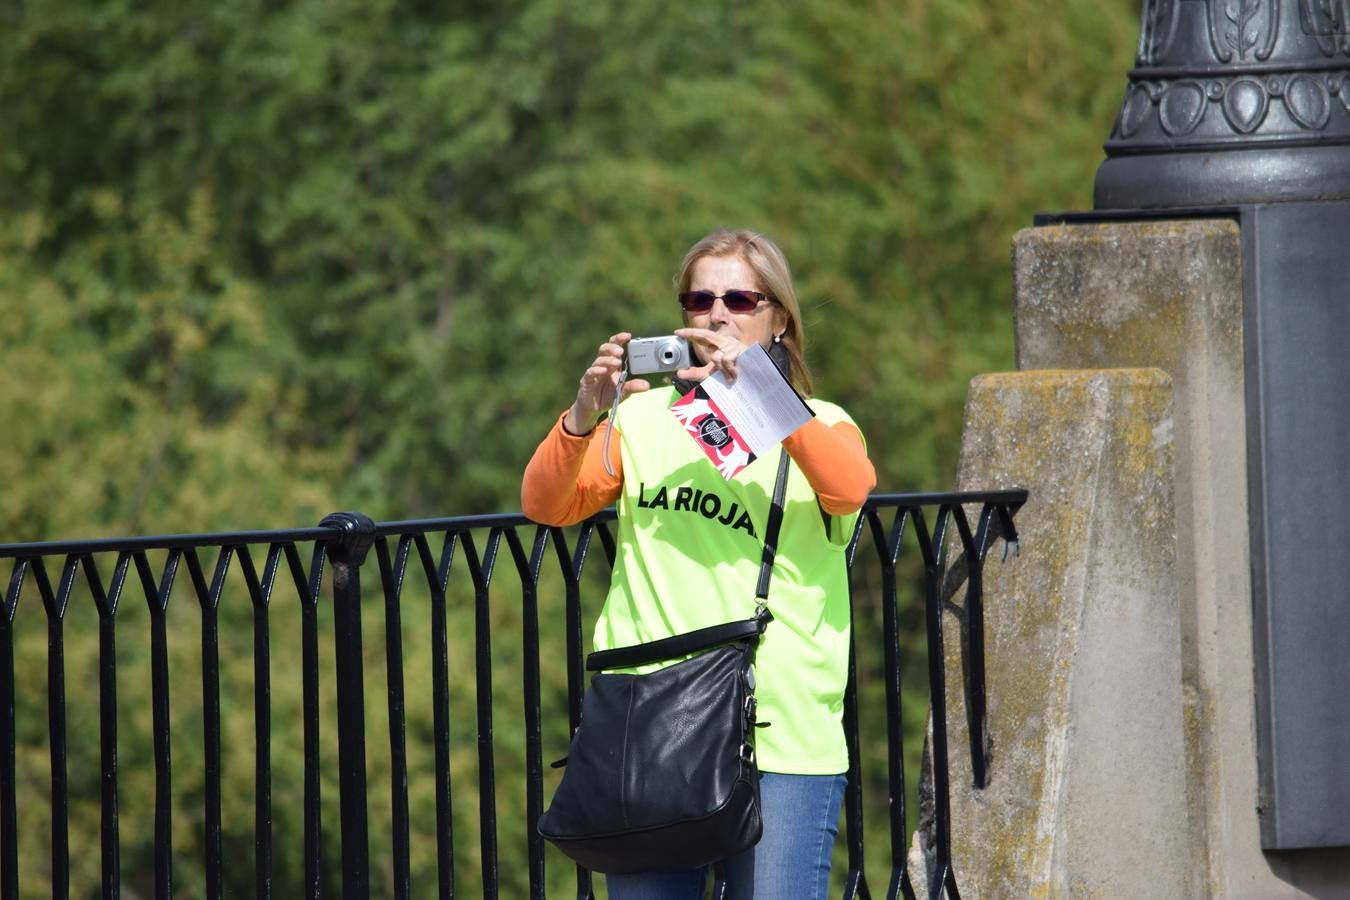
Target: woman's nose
{"type": "Point", "coordinates": [719, 312]}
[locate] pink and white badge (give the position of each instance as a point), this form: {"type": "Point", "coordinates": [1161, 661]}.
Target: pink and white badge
{"type": "Point", "coordinates": [713, 432]}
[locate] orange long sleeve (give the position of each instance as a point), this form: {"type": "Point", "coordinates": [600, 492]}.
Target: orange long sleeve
{"type": "Point", "coordinates": [565, 481]}
{"type": "Point", "coordinates": [835, 462]}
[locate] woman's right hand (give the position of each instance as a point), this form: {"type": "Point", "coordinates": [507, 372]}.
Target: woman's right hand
{"type": "Point", "coordinates": [595, 393]}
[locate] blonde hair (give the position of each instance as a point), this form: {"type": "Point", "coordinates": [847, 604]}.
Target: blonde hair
{"type": "Point", "coordinates": [774, 278]}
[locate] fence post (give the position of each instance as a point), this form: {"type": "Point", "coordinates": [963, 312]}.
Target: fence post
{"type": "Point", "coordinates": [9, 811]}
{"type": "Point", "coordinates": [347, 552]}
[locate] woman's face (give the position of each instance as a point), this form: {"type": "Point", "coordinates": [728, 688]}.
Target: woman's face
{"type": "Point", "coordinates": [720, 274]}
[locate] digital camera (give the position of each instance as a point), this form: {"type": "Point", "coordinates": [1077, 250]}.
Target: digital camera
{"type": "Point", "coordinates": [658, 354]}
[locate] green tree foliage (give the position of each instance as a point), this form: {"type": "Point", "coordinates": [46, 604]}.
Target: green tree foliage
{"type": "Point", "coordinates": [260, 261]}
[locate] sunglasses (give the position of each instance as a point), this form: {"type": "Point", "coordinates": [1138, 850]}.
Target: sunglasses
{"type": "Point", "coordinates": [736, 301]}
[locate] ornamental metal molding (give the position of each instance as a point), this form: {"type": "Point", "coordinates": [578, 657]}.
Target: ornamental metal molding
{"type": "Point", "coordinates": [1211, 71]}
{"type": "Point", "coordinates": [1213, 76]}
{"type": "Point", "coordinates": [1306, 102]}
{"type": "Point", "coordinates": [1240, 27]}
{"type": "Point", "coordinates": [1327, 21]}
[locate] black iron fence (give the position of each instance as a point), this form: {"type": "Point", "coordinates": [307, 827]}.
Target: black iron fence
{"type": "Point", "coordinates": [101, 570]}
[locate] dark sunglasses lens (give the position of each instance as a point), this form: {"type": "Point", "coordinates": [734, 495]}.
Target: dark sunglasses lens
{"type": "Point", "coordinates": [740, 301]}
{"type": "Point", "coordinates": [697, 301]}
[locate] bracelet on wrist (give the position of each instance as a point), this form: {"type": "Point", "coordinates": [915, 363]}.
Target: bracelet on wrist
{"type": "Point", "coordinates": [569, 431]}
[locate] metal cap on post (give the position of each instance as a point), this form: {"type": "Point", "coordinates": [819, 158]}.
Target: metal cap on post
{"type": "Point", "coordinates": [1231, 102]}
{"type": "Point", "coordinates": [358, 534]}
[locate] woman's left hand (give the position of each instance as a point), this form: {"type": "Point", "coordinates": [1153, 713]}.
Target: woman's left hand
{"type": "Point", "coordinates": [720, 351]}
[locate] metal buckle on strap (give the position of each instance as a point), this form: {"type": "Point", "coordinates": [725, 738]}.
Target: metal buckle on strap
{"type": "Point", "coordinates": [762, 615]}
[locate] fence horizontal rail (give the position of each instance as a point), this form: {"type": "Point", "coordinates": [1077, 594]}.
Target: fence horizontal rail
{"type": "Point", "coordinates": [342, 543]}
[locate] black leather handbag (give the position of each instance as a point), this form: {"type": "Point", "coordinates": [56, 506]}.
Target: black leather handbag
{"type": "Point", "coordinates": [661, 772]}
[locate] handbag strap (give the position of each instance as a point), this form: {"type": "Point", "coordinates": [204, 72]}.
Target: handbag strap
{"type": "Point", "coordinates": [713, 635]}
{"type": "Point", "coordinates": [771, 529]}
{"type": "Point", "coordinates": [680, 644]}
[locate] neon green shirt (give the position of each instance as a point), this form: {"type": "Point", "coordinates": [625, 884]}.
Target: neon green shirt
{"type": "Point", "coordinates": [688, 556]}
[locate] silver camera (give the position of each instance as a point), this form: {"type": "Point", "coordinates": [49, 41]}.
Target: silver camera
{"type": "Point", "coordinates": [658, 354]}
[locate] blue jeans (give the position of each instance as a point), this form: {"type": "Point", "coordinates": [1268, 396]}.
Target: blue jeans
{"type": "Point", "coordinates": [790, 862]}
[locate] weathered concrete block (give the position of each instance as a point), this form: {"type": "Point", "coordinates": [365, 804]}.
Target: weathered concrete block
{"type": "Point", "coordinates": [1168, 294]}
{"type": "Point", "coordinates": [1087, 790]}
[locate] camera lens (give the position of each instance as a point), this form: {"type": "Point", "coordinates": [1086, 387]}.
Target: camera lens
{"type": "Point", "coordinates": [667, 354]}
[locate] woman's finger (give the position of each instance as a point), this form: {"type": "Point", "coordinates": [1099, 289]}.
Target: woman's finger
{"type": "Point", "coordinates": [615, 345]}
{"type": "Point", "coordinates": [708, 342]}
{"type": "Point", "coordinates": [711, 342]}
{"type": "Point", "coordinates": [727, 366]}
{"type": "Point", "coordinates": [695, 373]}
{"type": "Point", "coordinates": [701, 335]}
{"type": "Point", "coordinates": [636, 386]}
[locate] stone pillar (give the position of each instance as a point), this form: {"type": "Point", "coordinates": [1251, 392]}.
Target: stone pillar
{"type": "Point", "coordinates": [1169, 294]}
{"type": "Point", "coordinates": [1087, 794]}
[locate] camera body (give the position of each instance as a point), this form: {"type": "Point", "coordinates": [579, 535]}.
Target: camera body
{"type": "Point", "coordinates": [666, 353]}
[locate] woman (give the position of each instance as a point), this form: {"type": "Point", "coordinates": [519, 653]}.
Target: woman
{"type": "Point", "coordinates": [678, 569]}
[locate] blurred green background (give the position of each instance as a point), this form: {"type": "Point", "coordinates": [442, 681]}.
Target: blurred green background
{"type": "Point", "coordinates": [262, 261]}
